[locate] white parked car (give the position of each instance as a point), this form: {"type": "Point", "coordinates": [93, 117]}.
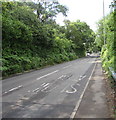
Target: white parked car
{"type": "Point", "coordinates": [87, 54]}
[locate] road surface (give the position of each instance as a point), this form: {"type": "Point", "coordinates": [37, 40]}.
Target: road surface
{"type": "Point", "coordinates": [52, 92]}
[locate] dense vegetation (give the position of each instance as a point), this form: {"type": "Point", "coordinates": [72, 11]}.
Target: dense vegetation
{"type": "Point", "coordinates": [106, 39]}
{"type": "Point", "coordinates": [32, 39]}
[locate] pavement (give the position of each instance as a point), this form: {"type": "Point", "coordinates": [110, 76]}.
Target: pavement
{"type": "Point", "coordinates": [94, 102]}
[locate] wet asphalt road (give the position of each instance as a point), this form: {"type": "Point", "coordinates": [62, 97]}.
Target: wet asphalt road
{"type": "Point", "coordinates": [51, 92]}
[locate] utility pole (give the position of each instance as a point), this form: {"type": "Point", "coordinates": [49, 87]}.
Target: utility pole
{"type": "Point", "coordinates": [114, 4]}
{"type": "Point", "coordinates": [104, 22]}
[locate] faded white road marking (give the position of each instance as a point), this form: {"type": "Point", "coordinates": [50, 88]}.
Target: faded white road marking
{"type": "Point", "coordinates": [36, 89]}
{"type": "Point", "coordinates": [49, 90]}
{"type": "Point", "coordinates": [74, 90]}
{"type": "Point", "coordinates": [47, 75]}
{"type": "Point", "coordinates": [45, 88]}
{"type": "Point", "coordinates": [43, 84]}
{"type": "Point", "coordinates": [13, 89]}
{"type": "Point", "coordinates": [52, 89]}
{"type": "Point", "coordinates": [46, 84]}
{"type": "Point", "coordinates": [78, 84]}
{"type": "Point", "coordinates": [67, 66]}
{"type": "Point", "coordinates": [75, 80]}
{"type": "Point", "coordinates": [82, 77]}
{"type": "Point", "coordinates": [24, 98]}
{"type": "Point", "coordinates": [64, 89]}
{"type": "Point", "coordinates": [61, 77]}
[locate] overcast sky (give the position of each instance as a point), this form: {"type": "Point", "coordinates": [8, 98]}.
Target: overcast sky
{"type": "Point", "coordinates": [89, 11]}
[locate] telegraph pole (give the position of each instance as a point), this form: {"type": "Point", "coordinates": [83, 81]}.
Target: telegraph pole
{"type": "Point", "coordinates": [104, 22]}
{"type": "Point", "coordinates": [113, 5]}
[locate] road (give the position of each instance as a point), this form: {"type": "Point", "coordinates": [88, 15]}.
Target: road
{"type": "Point", "coordinates": [52, 92]}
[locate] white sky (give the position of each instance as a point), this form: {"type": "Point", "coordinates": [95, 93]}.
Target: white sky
{"type": "Point", "coordinates": [89, 11]}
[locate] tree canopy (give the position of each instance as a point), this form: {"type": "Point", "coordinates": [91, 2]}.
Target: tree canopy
{"type": "Point", "coordinates": [32, 38]}
{"type": "Point", "coordinates": [81, 34]}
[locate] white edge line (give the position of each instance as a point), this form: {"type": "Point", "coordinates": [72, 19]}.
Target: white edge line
{"type": "Point", "coordinates": [47, 74]}
{"type": "Point", "coordinates": [80, 99]}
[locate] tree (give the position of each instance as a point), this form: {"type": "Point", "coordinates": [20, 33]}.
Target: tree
{"type": "Point", "coordinates": [100, 33]}
{"type": "Point", "coordinates": [28, 43]}
{"type": "Point", "coordinates": [81, 34]}
{"type": "Point", "coordinates": [47, 11]}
